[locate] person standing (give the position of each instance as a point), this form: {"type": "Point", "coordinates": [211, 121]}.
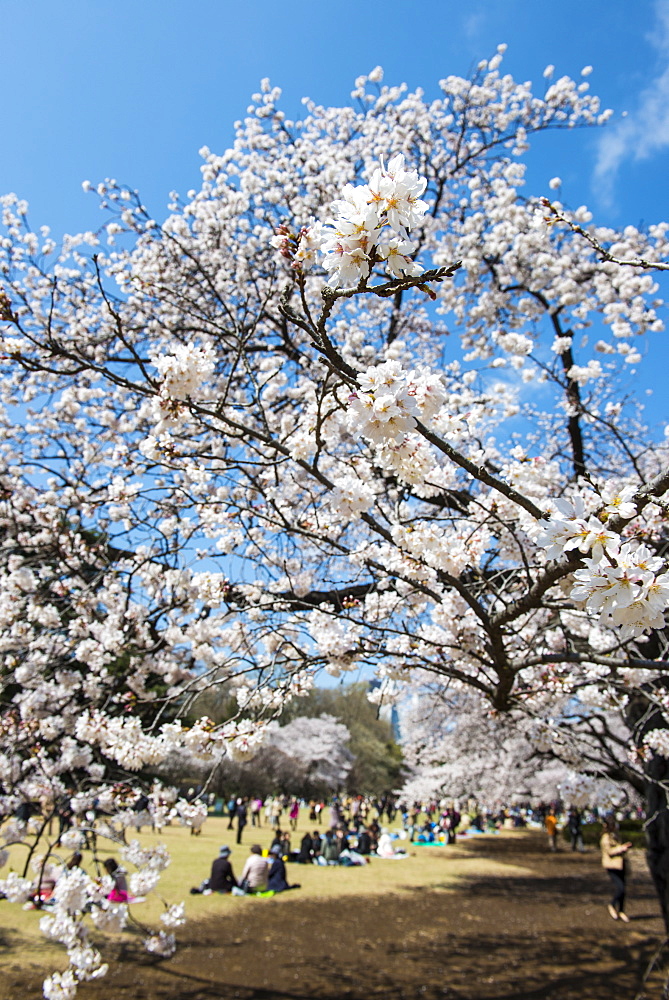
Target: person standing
{"type": "Point", "coordinates": [614, 861]}
{"type": "Point", "coordinates": [335, 813]}
{"type": "Point", "coordinates": [574, 827]}
{"type": "Point", "coordinates": [355, 813]}
{"type": "Point", "coordinates": [453, 824]}
{"type": "Point", "coordinates": [551, 824]}
{"type": "Point", "coordinates": [241, 818]}
{"type": "Point", "coordinates": [294, 814]}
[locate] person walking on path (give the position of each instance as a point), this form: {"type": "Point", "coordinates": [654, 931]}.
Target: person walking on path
{"type": "Point", "coordinates": [614, 861]}
{"type": "Point", "coordinates": [551, 825]}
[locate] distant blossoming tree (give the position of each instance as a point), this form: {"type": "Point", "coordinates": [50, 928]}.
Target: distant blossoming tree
{"type": "Point", "coordinates": [307, 756]}
{"type": "Point", "coordinates": [260, 410]}
{"type": "Point", "coordinates": [454, 746]}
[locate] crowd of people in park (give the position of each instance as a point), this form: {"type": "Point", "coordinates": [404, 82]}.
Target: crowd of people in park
{"type": "Point", "coordinates": [421, 822]}
{"type": "Point", "coordinates": [264, 873]}
{"type": "Point", "coordinates": [354, 835]}
{"type": "Point", "coordinates": [571, 823]}
{"type": "Point", "coordinates": [435, 821]}
{"type": "Point", "coordinates": [348, 831]}
{"type": "Point", "coordinates": [351, 840]}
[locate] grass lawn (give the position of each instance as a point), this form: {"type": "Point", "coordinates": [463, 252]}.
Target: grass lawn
{"type": "Point", "coordinates": [491, 918]}
{"type": "Point", "coordinates": [436, 867]}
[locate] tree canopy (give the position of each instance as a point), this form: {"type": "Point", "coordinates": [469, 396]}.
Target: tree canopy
{"type": "Point", "coordinates": [356, 403]}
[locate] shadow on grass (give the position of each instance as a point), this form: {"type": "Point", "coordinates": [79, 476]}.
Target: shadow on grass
{"type": "Point", "coordinates": [537, 931]}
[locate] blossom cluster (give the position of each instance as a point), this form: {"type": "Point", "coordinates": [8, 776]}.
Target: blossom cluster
{"type": "Point", "coordinates": [626, 587]}
{"type": "Point", "coordinates": [390, 399]}
{"type": "Point", "coordinates": [184, 371]}
{"type": "Point", "coordinates": [124, 740]}
{"type": "Point", "coordinates": [370, 225]}
{"type": "Point", "coordinates": [622, 582]}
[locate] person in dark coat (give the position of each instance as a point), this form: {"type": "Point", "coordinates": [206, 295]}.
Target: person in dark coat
{"type": "Point", "coordinates": [222, 878]}
{"type": "Point", "coordinates": [305, 856]}
{"type": "Point", "coordinates": [574, 827]}
{"type": "Point", "coordinates": [241, 818]}
{"type": "Point", "coordinates": [276, 878]}
{"type": "Point", "coordinates": [281, 840]}
{"type": "Point", "coordinates": [364, 843]}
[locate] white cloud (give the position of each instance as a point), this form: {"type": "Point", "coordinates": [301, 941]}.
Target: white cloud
{"type": "Point", "coordinates": [473, 25]}
{"type": "Point", "coordinates": [645, 130]}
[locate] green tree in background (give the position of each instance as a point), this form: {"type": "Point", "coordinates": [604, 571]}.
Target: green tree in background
{"type": "Point", "coordinates": [378, 761]}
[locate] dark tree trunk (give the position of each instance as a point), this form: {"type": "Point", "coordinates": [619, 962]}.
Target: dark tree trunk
{"type": "Point", "coordinates": [657, 830]}
{"type": "Point", "coordinates": [643, 715]}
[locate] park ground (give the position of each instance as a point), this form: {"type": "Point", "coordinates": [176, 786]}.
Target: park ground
{"type": "Point", "coordinates": [491, 918]}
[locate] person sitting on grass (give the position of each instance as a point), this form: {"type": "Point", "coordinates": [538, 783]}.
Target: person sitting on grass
{"type": "Point", "coordinates": [426, 834]}
{"type": "Point", "coordinates": [281, 840]}
{"type": "Point", "coordinates": [254, 873]}
{"type": "Point", "coordinates": [364, 845]}
{"type": "Point", "coordinates": [330, 848]}
{"type": "Point", "coordinates": [306, 855]}
{"type": "Point", "coordinates": [276, 879]}
{"type": "Point", "coordinates": [119, 893]}
{"type": "Point", "coordinates": [385, 847]}
{"type": "Point", "coordinates": [342, 838]}
{"type": "Point", "coordinates": [222, 878]}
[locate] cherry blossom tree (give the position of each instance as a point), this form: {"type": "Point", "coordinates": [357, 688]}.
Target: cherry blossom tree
{"type": "Point", "coordinates": [307, 756]}
{"type": "Point", "coordinates": [354, 405]}
{"type": "Point", "coordinates": [455, 746]}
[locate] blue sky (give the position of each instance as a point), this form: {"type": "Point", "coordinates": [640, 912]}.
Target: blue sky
{"type": "Point", "coordinates": [132, 90]}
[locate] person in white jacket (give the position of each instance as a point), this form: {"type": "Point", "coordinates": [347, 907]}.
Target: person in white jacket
{"type": "Point", "coordinates": [385, 847]}
{"type": "Point", "coordinates": [254, 873]}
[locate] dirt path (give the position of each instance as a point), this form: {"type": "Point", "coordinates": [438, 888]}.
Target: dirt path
{"type": "Point", "coordinates": [539, 930]}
